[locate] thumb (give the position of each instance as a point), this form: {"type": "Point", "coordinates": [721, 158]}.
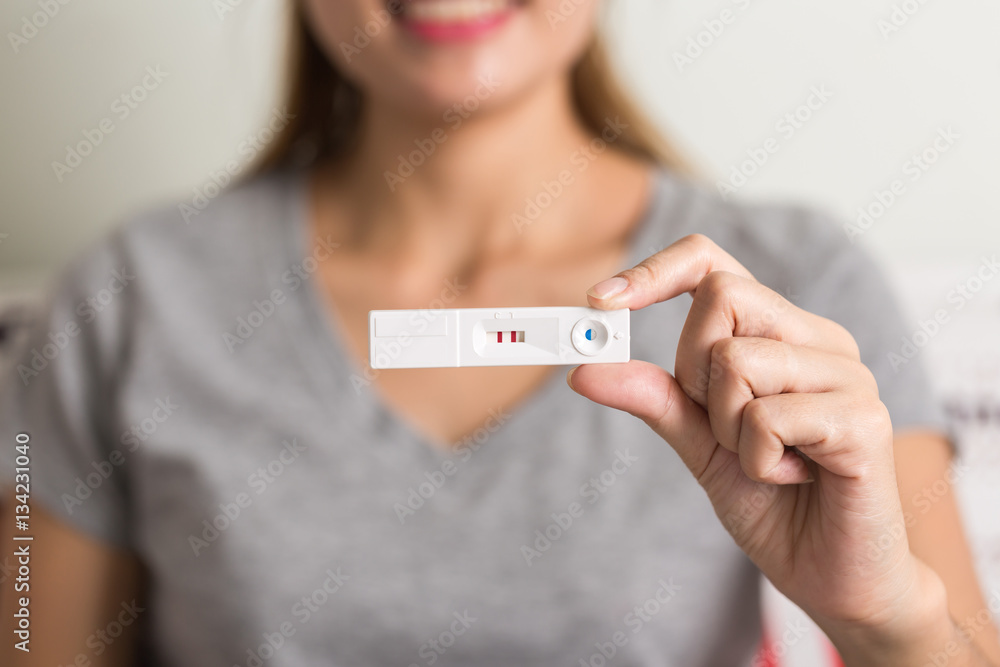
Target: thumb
{"type": "Point", "coordinates": [650, 393]}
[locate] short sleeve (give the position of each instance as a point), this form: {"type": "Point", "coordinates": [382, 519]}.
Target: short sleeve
{"type": "Point", "coordinates": [59, 389]}
{"type": "Point", "coordinates": [850, 288]}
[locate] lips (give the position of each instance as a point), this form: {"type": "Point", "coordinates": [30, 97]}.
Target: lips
{"type": "Point", "coordinates": [453, 12]}
{"type": "Point", "coordinates": [451, 20]}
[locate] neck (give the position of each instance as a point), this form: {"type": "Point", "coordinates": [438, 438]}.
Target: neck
{"type": "Point", "coordinates": [453, 184]}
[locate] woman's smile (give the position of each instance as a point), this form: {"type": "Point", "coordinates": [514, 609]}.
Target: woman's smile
{"type": "Point", "coordinates": [455, 20]}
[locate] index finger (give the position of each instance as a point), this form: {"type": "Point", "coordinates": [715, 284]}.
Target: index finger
{"type": "Point", "coordinates": [674, 270]}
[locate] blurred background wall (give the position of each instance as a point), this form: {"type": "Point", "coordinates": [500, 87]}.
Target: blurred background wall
{"type": "Point", "coordinates": [888, 107]}
{"type": "Point", "coordinates": [215, 66]}
{"type": "Point", "coordinates": [720, 74]}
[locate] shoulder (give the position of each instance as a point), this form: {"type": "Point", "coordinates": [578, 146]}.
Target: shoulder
{"type": "Point", "coordinates": [168, 248]}
{"type": "Point", "coordinates": [788, 246]}
{"type": "Point", "coordinates": [145, 271]}
{"type": "Point", "coordinates": [210, 229]}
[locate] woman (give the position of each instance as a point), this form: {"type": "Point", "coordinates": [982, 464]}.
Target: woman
{"type": "Point", "coordinates": [220, 479]}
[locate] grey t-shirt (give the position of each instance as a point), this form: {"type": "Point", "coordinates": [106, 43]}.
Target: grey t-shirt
{"type": "Point", "coordinates": [188, 398]}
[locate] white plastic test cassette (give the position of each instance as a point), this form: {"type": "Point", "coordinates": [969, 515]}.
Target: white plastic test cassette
{"type": "Point", "coordinates": [497, 337]}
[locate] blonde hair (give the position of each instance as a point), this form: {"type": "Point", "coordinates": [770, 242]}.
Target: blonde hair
{"type": "Point", "coordinates": [326, 107]}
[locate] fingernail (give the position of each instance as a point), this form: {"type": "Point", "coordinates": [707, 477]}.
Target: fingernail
{"type": "Point", "coordinates": [569, 377]}
{"type": "Point", "coordinates": [608, 288]}
{"type": "Point", "coordinates": [809, 480]}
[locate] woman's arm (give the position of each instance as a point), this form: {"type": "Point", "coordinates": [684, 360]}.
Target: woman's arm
{"type": "Point", "coordinates": [81, 593]}
{"type": "Point", "coordinates": [934, 529]}
{"type": "Point", "coordinates": [756, 377]}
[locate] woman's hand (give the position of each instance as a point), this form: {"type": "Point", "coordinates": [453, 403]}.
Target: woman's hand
{"type": "Point", "coordinates": [780, 422]}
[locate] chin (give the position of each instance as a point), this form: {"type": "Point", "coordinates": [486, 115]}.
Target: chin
{"type": "Point", "coordinates": [430, 55]}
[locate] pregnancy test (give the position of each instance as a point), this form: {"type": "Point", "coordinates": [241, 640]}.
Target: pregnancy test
{"type": "Point", "coordinates": [536, 336]}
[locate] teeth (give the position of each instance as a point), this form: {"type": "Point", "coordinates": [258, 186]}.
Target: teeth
{"type": "Point", "coordinates": [455, 11]}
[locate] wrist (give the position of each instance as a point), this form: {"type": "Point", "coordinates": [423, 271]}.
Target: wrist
{"type": "Point", "coordinates": [916, 628]}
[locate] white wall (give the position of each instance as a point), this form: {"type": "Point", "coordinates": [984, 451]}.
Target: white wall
{"type": "Point", "coordinates": [889, 97]}
{"type": "Point", "coordinates": [217, 86]}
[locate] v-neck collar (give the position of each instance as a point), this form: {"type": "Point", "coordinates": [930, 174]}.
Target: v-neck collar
{"type": "Point", "coordinates": [313, 327]}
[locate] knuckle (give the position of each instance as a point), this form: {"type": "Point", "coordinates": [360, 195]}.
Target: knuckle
{"type": "Point", "coordinates": [700, 242]}
{"type": "Point", "coordinates": [670, 399]}
{"type": "Point", "coordinates": [752, 465]}
{"type": "Point", "coordinates": [665, 405]}
{"type": "Point", "coordinates": [774, 307]}
{"type": "Point", "coordinates": [827, 429]}
{"type": "Point", "coordinates": [755, 436]}
{"type": "Point", "coordinates": [696, 382]}
{"type": "Point", "coordinates": [752, 468]}
{"type": "Point", "coordinates": [716, 288]}
{"type": "Point", "coordinates": [643, 273]}
{"type": "Point", "coordinates": [866, 377]}
{"type": "Point", "coordinates": [882, 419]}
{"type": "Point", "coordinates": [756, 420]}
{"type": "Point", "coordinates": [872, 424]}
{"type": "Point", "coordinates": [730, 356]}
{"type": "Point", "coordinates": [756, 439]}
